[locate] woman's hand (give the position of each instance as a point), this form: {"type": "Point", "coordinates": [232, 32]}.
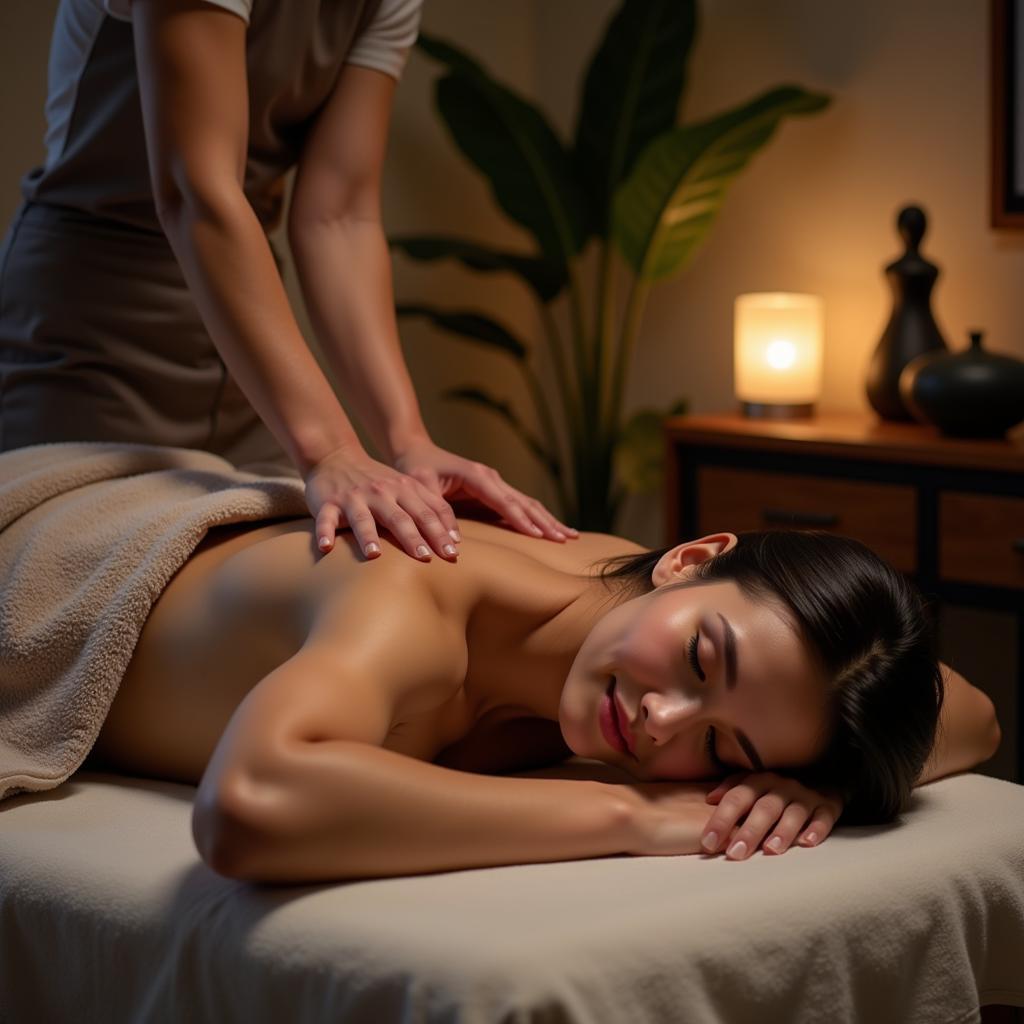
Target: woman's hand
{"type": "Point", "coordinates": [668, 817]}
{"type": "Point", "coordinates": [348, 488]}
{"type": "Point", "coordinates": [770, 802]}
{"type": "Point", "coordinates": [458, 479]}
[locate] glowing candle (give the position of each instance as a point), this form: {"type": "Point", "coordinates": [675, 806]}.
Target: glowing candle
{"type": "Point", "coordinates": [777, 351]}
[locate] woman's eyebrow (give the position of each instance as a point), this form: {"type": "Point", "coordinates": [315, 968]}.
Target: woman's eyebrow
{"type": "Point", "coordinates": [731, 672]}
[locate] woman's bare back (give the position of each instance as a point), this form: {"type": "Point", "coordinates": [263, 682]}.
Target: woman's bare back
{"type": "Point", "coordinates": [245, 602]}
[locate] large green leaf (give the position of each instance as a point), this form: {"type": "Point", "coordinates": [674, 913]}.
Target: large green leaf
{"type": "Point", "coordinates": [473, 326]}
{"type": "Point", "coordinates": [546, 278]}
{"type": "Point", "coordinates": [477, 396]}
{"type": "Point", "coordinates": [511, 143]}
{"type": "Point", "coordinates": [631, 93]}
{"type": "Point", "coordinates": [665, 207]}
{"type": "Point", "coordinates": [640, 452]}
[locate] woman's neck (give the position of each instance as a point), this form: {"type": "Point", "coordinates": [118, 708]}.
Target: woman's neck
{"type": "Point", "coordinates": [525, 625]}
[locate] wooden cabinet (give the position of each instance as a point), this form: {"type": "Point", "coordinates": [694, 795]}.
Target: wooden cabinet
{"type": "Point", "coordinates": [948, 513]}
{"type": "Point", "coordinates": [883, 516]}
{"type": "Point", "coordinates": [981, 539]}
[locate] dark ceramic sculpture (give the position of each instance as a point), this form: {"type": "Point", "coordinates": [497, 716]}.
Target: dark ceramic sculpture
{"type": "Point", "coordinates": [974, 393]}
{"type": "Point", "coordinates": [911, 330]}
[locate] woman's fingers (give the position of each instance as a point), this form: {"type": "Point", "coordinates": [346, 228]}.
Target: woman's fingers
{"type": "Point", "coordinates": [765, 813]}
{"type": "Point", "coordinates": [731, 808]}
{"type": "Point", "coordinates": [748, 811]}
{"type": "Point", "coordinates": [781, 839]}
{"type": "Point", "coordinates": [821, 824]}
{"type": "Point", "coordinates": [724, 786]}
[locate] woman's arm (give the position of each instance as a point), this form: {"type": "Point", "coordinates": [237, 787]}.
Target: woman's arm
{"type": "Point", "coordinates": [300, 788]}
{"type": "Point", "coordinates": [351, 810]}
{"type": "Point", "coordinates": [968, 730]}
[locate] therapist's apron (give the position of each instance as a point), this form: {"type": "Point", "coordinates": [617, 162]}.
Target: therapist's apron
{"type": "Point", "coordinates": [100, 338]}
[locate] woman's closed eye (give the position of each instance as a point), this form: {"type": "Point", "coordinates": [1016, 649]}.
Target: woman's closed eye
{"type": "Point", "coordinates": [709, 737]}
{"type": "Point", "coordinates": [692, 655]}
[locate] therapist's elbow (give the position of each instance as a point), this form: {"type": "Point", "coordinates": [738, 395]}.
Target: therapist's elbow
{"type": "Point", "coordinates": [208, 201]}
{"type": "Point", "coordinates": [358, 203]}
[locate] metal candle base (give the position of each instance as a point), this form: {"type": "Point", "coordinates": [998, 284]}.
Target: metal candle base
{"type": "Point", "coordinates": [776, 410]}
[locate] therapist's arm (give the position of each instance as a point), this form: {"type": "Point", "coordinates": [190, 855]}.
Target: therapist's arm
{"type": "Point", "coordinates": [192, 74]}
{"type": "Point", "coordinates": [342, 258]}
{"type": "Point", "coordinates": [344, 267]}
{"type": "Point", "coordinates": [193, 85]}
{"type": "Point", "coordinates": [968, 732]}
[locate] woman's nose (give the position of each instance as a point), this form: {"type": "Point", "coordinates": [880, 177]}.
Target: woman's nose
{"type": "Point", "coordinates": [662, 714]}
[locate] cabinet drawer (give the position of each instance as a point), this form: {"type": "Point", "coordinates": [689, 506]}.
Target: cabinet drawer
{"type": "Point", "coordinates": [981, 539]}
{"type": "Point", "coordinates": [882, 516]}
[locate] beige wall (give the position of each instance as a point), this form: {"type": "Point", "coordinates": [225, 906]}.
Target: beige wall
{"type": "Point", "coordinates": [813, 212]}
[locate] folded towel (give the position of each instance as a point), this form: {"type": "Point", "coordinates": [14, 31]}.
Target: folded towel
{"type": "Point", "coordinates": [90, 534]}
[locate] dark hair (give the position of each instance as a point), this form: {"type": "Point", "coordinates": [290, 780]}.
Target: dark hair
{"type": "Point", "coordinates": [870, 630]}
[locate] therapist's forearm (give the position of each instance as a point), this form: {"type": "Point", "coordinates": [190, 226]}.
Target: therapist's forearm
{"type": "Point", "coordinates": [344, 268]}
{"type": "Point", "coordinates": [226, 260]}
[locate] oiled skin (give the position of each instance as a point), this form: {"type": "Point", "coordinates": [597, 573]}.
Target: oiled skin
{"type": "Point", "coordinates": [246, 601]}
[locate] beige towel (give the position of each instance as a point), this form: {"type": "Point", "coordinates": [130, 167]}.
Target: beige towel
{"type": "Point", "coordinates": [90, 534]}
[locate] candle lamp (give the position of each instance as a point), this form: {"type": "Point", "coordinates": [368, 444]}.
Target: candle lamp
{"type": "Point", "coordinates": [777, 354]}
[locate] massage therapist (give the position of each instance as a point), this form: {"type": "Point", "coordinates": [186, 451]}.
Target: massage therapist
{"type": "Point", "coordinates": [141, 299]}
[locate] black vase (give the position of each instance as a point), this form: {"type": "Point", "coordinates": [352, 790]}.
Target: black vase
{"type": "Point", "coordinates": [911, 330]}
{"type": "Point", "coordinates": [973, 393]}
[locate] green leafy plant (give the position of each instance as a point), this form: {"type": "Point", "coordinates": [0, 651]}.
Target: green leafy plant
{"type": "Point", "coordinates": [633, 182]}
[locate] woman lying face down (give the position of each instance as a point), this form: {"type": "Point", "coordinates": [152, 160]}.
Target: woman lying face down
{"type": "Point", "coordinates": [347, 731]}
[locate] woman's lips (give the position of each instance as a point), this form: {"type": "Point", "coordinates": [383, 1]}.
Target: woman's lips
{"type": "Point", "coordinates": [623, 721]}
{"type": "Point", "coordinates": [609, 716]}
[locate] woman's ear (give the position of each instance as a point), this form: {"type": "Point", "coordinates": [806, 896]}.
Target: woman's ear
{"type": "Point", "coordinates": [675, 564]}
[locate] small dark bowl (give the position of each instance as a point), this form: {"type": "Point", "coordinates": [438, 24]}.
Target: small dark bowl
{"type": "Point", "coordinates": [974, 393]}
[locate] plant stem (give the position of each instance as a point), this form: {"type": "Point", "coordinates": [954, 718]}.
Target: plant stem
{"type": "Point", "coordinates": [558, 358]}
{"type": "Point", "coordinates": [604, 330]}
{"type": "Point", "coordinates": [579, 334]}
{"type": "Point", "coordinates": [630, 329]}
{"type": "Point", "coordinates": [548, 424]}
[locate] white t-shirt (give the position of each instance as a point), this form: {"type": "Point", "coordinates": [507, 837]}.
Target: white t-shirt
{"type": "Point", "coordinates": [384, 44]}
{"type": "Point", "coordinates": [96, 157]}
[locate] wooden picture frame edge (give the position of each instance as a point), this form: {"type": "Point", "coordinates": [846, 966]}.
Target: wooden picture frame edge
{"type": "Point", "coordinates": [1000, 71]}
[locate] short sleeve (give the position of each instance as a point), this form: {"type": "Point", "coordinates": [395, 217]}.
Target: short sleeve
{"type": "Point", "coordinates": [122, 9]}
{"type": "Point", "coordinates": [386, 41]}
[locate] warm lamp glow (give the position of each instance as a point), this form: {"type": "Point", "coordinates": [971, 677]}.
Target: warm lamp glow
{"type": "Point", "coordinates": [777, 349]}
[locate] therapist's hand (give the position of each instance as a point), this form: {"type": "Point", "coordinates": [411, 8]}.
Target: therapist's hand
{"type": "Point", "coordinates": [348, 488]}
{"type": "Point", "coordinates": [457, 479]}
{"type": "Point", "coordinates": [772, 803]}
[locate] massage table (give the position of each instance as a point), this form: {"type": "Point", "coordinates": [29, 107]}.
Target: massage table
{"type": "Point", "coordinates": [107, 914]}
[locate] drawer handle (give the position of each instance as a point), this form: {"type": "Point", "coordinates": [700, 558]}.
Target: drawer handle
{"type": "Point", "coordinates": [781, 515]}
{"type": "Point", "coordinates": [1018, 545]}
